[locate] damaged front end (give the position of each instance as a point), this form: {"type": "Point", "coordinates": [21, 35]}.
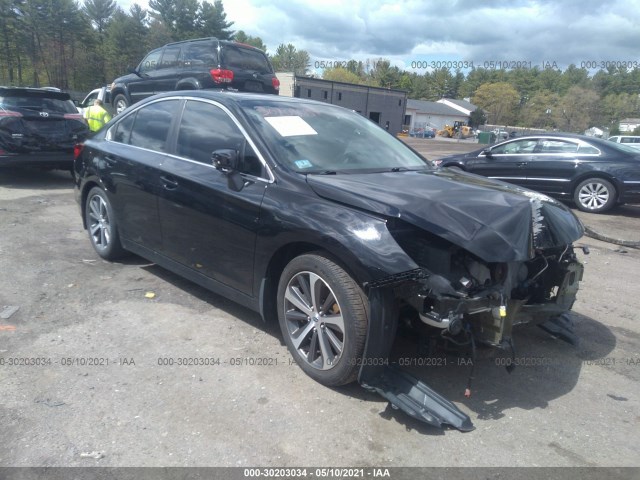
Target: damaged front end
{"type": "Point", "coordinates": [467, 297]}
{"type": "Point", "coordinates": [460, 300]}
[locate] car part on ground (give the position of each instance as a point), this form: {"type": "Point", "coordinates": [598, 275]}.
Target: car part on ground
{"type": "Point", "coordinates": [313, 216]}
{"type": "Point", "coordinates": [593, 173]}
{"type": "Point", "coordinates": [38, 127]}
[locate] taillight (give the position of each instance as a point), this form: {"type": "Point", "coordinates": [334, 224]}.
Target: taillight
{"type": "Point", "coordinates": [9, 113]}
{"type": "Point", "coordinates": [276, 83]}
{"type": "Point", "coordinates": [222, 76]}
{"type": "Point", "coordinates": [73, 116]}
{"type": "Point", "coordinates": [77, 150]}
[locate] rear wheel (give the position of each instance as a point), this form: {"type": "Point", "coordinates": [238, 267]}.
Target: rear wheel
{"type": "Point", "coordinates": [120, 103]}
{"type": "Point", "coordinates": [594, 195]}
{"type": "Point", "coordinates": [323, 318]}
{"type": "Point", "coordinates": [101, 223]}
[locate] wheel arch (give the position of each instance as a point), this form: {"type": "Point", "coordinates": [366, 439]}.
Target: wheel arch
{"type": "Point", "coordinates": [276, 264]}
{"type": "Point", "coordinates": [86, 188]}
{"type": "Point", "coordinates": [454, 164]}
{"type": "Point", "coordinates": [120, 90]}
{"type": "Point", "coordinates": [597, 174]}
{"type": "Point", "coordinates": [188, 84]}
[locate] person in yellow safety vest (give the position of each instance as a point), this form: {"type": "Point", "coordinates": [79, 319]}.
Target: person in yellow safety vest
{"type": "Point", "coordinates": [96, 116]}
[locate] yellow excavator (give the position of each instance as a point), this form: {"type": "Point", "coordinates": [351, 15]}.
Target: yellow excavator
{"type": "Point", "coordinates": [458, 130]}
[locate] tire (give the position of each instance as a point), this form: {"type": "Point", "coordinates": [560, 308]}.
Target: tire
{"type": "Point", "coordinates": [326, 330]}
{"type": "Point", "coordinates": [595, 195]}
{"type": "Point", "coordinates": [102, 226]}
{"type": "Point", "coordinates": [120, 102]}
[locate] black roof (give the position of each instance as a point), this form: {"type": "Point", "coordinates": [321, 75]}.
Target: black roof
{"type": "Point", "coordinates": [213, 39]}
{"type": "Point", "coordinates": [229, 98]}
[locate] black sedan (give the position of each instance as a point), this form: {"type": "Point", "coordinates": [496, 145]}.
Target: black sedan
{"type": "Point", "coordinates": [594, 173]}
{"type": "Point", "coordinates": [319, 219]}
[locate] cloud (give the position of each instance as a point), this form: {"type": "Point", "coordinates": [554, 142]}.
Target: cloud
{"type": "Point", "coordinates": [572, 31]}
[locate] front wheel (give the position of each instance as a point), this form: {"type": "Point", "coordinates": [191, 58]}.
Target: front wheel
{"type": "Point", "coordinates": [323, 317]}
{"type": "Point", "coordinates": [101, 223]}
{"type": "Point", "coordinates": [595, 195]}
{"type": "Point", "coordinates": [120, 102]}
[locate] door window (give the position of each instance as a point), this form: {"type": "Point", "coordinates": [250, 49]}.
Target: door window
{"type": "Point", "coordinates": [152, 125]}
{"type": "Point", "coordinates": [515, 147]}
{"type": "Point", "coordinates": [122, 131]}
{"type": "Point", "coordinates": [204, 128]}
{"type": "Point", "coordinates": [150, 62]}
{"type": "Point", "coordinates": [170, 58]}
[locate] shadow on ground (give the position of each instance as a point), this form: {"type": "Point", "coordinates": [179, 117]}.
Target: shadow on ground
{"type": "Point", "coordinates": [548, 368]}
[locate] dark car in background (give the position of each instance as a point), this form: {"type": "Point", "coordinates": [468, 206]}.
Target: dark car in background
{"type": "Point", "coordinates": [39, 127]}
{"type": "Point", "coordinates": [205, 63]}
{"type": "Point", "coordinates": [595, 174]}
{"type": "Point", "coordinates": [317, 218]}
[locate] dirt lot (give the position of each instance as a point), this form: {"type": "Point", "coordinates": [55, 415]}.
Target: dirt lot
{"type": "Point", "coordinates": [100, 386]}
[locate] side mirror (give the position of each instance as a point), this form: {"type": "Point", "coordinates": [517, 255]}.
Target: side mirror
{"type": "Point", "coordinates": [225, 160]}
{"type": "Point", "coordinates": [486, 152]}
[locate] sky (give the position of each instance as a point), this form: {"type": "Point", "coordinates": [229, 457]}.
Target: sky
{"type": "Point", "coordinates": [420, 35]}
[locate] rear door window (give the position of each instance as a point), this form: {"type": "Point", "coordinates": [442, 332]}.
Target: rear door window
{"type": "Point", "coordinates": [170, 57]}
{"type": "Point", "coordinates": [152, 125]}
{"type": "Point", "coordinates": [557, 146]}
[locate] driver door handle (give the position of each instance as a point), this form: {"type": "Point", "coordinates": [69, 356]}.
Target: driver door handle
{"type": "Point", "coordinates": [169, 182]}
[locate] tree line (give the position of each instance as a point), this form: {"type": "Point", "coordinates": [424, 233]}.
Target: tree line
{"type": "Point", "coordinates": [78, 47]}
{"type": "Point", "coordinates": [74, 46]}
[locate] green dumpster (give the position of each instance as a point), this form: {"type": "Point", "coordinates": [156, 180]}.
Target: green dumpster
{"type": "Point", "coordinates": [486, 138]}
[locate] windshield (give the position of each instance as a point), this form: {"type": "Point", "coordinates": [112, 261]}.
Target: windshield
{"type": "Point", "coordinates": [318, 138]}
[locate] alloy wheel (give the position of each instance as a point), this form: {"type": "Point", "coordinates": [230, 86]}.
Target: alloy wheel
{"type": "Point", "coordinates": [314, 320]}
{"type": "Point", "coordinates": [99, 222]}
{"type": "Point", "coordinates": [594, 195]}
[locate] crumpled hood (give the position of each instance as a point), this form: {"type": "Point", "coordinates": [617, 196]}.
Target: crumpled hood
{"type": "Point", "coordinates": [493, 220]}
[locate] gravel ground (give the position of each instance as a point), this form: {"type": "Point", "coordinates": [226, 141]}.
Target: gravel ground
{"type": "Point", "coordinates": [100, 393]}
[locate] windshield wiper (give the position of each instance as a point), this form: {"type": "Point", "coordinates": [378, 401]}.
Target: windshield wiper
{"type": "Point", "coordinates": [324, 172]}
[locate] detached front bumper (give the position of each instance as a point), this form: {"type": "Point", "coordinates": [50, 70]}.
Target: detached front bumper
{"type": "Point", "coordinates": [488, 318]}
